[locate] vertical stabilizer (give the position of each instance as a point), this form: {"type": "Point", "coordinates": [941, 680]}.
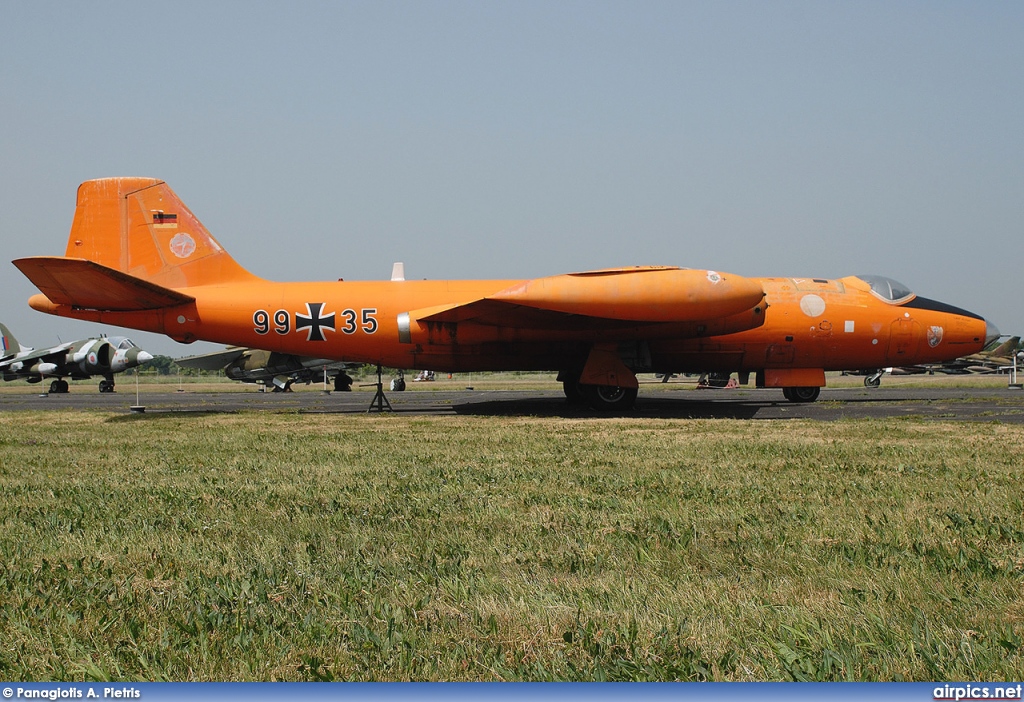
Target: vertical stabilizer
{"type": "Point", "coordinates": [1006, 348]}
{"type": "Point", "coordinates": [140, 227]}
{"type": "Point", "coordinates": [8, 344]}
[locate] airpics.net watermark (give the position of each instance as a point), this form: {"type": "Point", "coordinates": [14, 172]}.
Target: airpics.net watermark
{"type": "Point", "coordinates": [968, 693]}
{"type": "Point", "coordinates": [72, 692]}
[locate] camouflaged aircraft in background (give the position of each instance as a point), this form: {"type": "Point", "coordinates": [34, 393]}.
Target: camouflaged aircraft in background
{"type": "Point", "coordinates": [78, 360]}
{"type": "Point", "coordinates": [995, 360]}
{"type": "Point", "coordinates": [270, 368]}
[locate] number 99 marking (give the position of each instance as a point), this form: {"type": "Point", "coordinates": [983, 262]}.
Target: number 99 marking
{"type": "Point", "coordinates": [261, 321]}
{"type": "Point", "coordinates": [282, 322]}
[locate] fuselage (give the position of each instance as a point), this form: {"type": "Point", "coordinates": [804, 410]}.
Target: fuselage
{"type": "Point", "coordinates": [807, 323]}
{"type": "Point", "coordinates": [138, 257]}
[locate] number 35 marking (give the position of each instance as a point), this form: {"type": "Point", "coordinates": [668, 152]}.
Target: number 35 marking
{"type": "Point", "coordinates": [349, 320]}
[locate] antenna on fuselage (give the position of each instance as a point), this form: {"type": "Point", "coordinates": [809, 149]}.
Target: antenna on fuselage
{"type": "Point", "coordinates": [398, 271]}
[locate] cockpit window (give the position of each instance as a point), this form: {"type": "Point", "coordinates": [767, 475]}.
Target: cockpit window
{"type": "Point", "coordinates": [122, 344]}
{"type": "Point", "coordinates": [887, 288]}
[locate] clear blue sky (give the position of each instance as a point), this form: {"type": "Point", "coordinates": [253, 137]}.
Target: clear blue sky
{"type": "Point", "coordinates": [319, 140]}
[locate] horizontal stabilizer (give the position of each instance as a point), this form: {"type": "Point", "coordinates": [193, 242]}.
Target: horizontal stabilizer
{"type": "Point", "coordinates": [87, 285]}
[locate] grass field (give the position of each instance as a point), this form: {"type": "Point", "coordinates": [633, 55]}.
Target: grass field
{"type": "Point", "coordinates": [271, 546]}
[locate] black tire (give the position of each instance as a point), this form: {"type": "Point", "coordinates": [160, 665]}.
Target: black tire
{"type": "Point", "coordinates": [801, 394]}
{"type": "Point", "coordinates": [872, 382]}
{"type": "Point", "coordinates": [55, 386]}
{"type": "Point", "coordinates": [573, 392]}
{"type": "Point", "coordinates": [718, 380]}
{"type": "Point", "coordinates": [606, 398]}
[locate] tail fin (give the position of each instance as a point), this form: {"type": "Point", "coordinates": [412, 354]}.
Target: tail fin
{"type": "Point", "coordinates": [8, 344]}
{"type": "Point", "coordinates": [1006, 348]}
{"type": "Point", "coordinates": [140, 227]}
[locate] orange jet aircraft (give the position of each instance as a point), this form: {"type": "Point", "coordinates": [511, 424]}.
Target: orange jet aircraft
{"type": "Point", "coordinates": [138, 258]}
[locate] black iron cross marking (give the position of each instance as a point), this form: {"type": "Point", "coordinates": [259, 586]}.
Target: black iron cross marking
{"type": "Point", "coordinates": [313, 321]}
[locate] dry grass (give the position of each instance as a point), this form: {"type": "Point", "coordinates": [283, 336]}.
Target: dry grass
{"type": "Point", "coordinates": [281, 546]}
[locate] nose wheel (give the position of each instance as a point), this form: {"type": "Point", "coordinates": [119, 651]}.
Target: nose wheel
{"type": "Point", "coordinates": [875, 379]}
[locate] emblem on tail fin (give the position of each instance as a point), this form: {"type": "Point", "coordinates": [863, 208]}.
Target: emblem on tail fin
{"type": "Point", "coordinates": [182, 245]}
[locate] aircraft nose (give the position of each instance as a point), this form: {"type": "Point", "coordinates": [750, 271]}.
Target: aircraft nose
{"type": "Point", "coordinates": [144, 357]}
{"type": "Point", "coordinates": [991, 332]}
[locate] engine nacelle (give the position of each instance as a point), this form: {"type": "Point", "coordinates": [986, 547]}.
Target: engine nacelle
{"type": "Point", "coordinates": [95, 357]}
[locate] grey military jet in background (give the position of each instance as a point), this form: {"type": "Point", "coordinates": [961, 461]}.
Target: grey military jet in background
{"type": "Point", "coordinates": [78, 360]}
{"type": "Point", "coordinates": [269, 368]}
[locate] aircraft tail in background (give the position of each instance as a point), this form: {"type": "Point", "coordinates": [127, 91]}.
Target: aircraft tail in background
{"type": "Point", "coordinates": [1004, 349]}
{"type": "Point", "coordinates": [9, 346]}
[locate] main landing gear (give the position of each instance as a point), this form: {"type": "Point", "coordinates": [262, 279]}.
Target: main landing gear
{"type": "Point", "coordinates": [603, 398]}
{"type": "Point", "coordinates": [107, 385]}
{"type": "Point", "coordinates": [59, 386]}
{"type": "Point", "coordinates": [807, 394]}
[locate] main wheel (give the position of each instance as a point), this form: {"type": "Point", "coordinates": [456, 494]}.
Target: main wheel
{"type": "Point", "coordinates": [872, 381]}
{"type": "Point", "coordinates": [801, 394]}
{"type": "Point", "coordinates": [607, 398]}
{"type": "Point", "coordinates": [55, 386]}
{"type": "Point", "coordinates": [573, 391]}
{"type": "Point", "coordinates": [570, 380]}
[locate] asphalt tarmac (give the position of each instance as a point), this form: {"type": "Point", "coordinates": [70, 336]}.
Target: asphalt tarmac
{"type": "Point", "coordinates": [999, 404]}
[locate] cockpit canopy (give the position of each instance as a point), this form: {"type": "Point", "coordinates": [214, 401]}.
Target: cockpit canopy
{"type": "Point", "coordinates": [887, 289]}
{"type": "Point", "coordinates": [121, 343]}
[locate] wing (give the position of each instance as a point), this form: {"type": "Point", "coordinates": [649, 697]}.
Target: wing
{"type": "Point", "coordinates": [84, 284]}
{"type": "Point", "coordinates": [212, 361]}
{"type": "Point", "coordinates": [55, 354]}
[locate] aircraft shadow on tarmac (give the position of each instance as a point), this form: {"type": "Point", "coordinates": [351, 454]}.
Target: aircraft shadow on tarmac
{"type": "Point", "coordinates": [646, 408]}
